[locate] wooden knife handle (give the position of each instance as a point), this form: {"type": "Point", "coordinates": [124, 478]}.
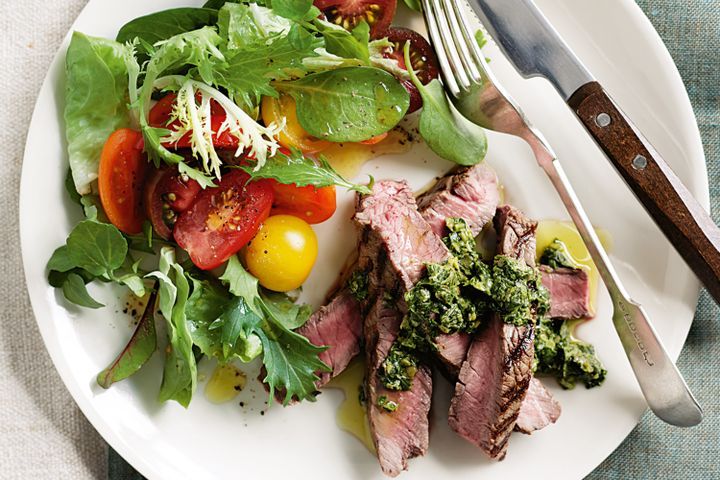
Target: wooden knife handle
{"type": "Point", "coordinates": [684, 222]}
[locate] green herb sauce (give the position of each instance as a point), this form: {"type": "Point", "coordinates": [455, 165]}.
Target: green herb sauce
{"type": "Point", "coordinates": [454, 296]}
{"type": "Point", "coordinates": [556, 255]}
{"type": "Point", "coordinates": [358, 285]}
{"type": "Point", "coordinates": [565, 357]}
{"type": "Point", "coordinates": [557, 352]}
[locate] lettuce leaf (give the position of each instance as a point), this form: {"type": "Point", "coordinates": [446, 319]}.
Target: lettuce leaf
{"type": "Point", "coordinates": [250, 25]}
{"type": "Point", "coordinates": [96, 99]}
{"type": "Point", "coordinates": [180, 372]}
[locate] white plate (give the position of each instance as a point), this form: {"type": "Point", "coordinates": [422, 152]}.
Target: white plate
{"type": "Point", "coordinates": [618, 44]}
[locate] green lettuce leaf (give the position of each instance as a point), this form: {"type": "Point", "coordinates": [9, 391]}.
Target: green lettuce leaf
{"type": "Point", "coordinates": [96, 98]}
{"type": "Point", "coordinates": [180, 371]}
{"type": "Point", "coordinates": [245, 26]}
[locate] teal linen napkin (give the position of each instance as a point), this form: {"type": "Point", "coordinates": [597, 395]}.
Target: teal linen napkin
{"type": "Point", "coordinates": [691, 31]}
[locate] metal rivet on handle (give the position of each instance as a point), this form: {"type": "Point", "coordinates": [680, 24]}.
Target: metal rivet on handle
{"type": "Point", "coordinates": [602, 120]}
{"type": "Point", "coordinates": [639, 162]}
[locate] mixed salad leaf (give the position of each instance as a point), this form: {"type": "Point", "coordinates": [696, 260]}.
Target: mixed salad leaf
{"type": "Point", "coordinates": [190, 84]}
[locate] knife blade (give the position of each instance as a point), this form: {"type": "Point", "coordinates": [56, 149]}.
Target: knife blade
{"type": "Point", "coordinates": [536, 49]}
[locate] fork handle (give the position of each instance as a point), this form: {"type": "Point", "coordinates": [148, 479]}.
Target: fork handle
{"type": "Point", "coordinates": [682, 219]}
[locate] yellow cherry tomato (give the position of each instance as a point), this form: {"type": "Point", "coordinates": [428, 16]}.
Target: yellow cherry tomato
{"type": "Point", "coordinates": [282, 253]}
{"type": "Point", "coordinates": [293, 135]}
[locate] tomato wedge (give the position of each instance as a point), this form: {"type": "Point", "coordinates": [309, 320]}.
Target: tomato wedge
{"type": "Point", "coordinates": [223, 219]}
{"type": "Point", "coordinates": [312, 204]}
{"type": "Point", "coordinates": [159, 117]}
{"type": "Point", "coordinates": [422, 57]}
{"type": "Point", "coordinates": [166, 195]}
{"type": "Point", "coordinates": [120, 180]}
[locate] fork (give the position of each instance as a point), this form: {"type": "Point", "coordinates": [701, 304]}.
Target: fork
{"type": "Point", "coordinates": [473, 90]}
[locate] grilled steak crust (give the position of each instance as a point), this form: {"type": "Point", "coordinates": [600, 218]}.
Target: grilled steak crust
{"type": "Point", "coordinates": [569, 290]}
{"type": "Point", "coordinates": [538, 410]}
{"type": "Point", "coordinates": [471, 193]}
{"type": "Point", "coordinates": [404, 433]}
{"type": "Point", "coordinates": [338, 325]}
{"type": "Point", "coordinates": [496, 374]}
{"type": "Point", "coordinates": [396, 243]}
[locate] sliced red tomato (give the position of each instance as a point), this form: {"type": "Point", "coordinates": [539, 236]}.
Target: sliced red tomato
{"type": "Point", "coordinates": [159, 116]}
{"type": "Point", "coordinates": [312, 204]}
{"type": "Point", "coordinates": [121, 175]}
{"type": "Point", "coordinates": [348, 13]}
{"type": "Point", "coordinates": [422, 57]}
{"type": "Point", "coordinates": [166, 195]}
{"type": "Point", "coordinates": [223, 219]}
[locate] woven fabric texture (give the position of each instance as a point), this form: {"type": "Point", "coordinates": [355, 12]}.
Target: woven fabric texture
{"type": "Point", "coordinates": [43, 435]}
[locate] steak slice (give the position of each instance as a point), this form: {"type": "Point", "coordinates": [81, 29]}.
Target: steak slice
{"type": "Point", "coordinates": [452, 350]}
{"type": "Point", "coordinates": [338, 325]}
{"type": "Point", "coordinates": [396, 244]}
{"type": "Point", "coordinates": [538, 410]}
{"type": "Point", "coordinates": [496, 374]}
{"type": "Point", "coordinates": [404, 433]}
{"type": "Point", "coordinates": [396, 233]}
{"type": "Point", "coordinates": [569, 290]}
{"type": "Point", "coordinates": [471, 193]}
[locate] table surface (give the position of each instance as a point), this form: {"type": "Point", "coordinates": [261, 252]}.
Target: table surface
{"type": "Point", "coordinates": [44, 435]}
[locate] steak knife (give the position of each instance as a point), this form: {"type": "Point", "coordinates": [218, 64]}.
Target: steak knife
{"type": "Point", "coordinates": [536, 49]}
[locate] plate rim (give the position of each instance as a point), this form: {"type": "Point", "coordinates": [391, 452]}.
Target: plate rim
{"type": "Point", "coordinates": [114, 440]}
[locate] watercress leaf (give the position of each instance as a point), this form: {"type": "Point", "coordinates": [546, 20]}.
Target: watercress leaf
{"type": "Point", "coordinates": [216, 4]}
{"type": "Point", "coordinates": [302, 171]}
{"type": "Point", "coordinates": [242, 284]}
{"type": "Point", "coordinates": [245, 26]}
{"type": "Point", "coordinates": [138, 350]}
{"type": "Point", "coordinates": [61, 261]}
{"type": "Point", "coordinates": [96, 95]}
{"type": "Point", "coordinates": [290, 314]}
{"type": "Point", "coordinates": [56, 279]}
{"type": "Point", "coordinates": [446, 133]}
{"type": "Point", "coordinates": [349, 104]}
{"type": "Point", "coordinates": [343, 43]}
{"type": "Point", "coordinates": [292, 9]}
{"type": "Point", "coordinates": [290, 361]}
{"type": "Point", "coordinates": [99, 248]}
{"type": "Point", "coordinates": [249, 73]}
{"type": "Point", "coordinates": [76, 292]}
{"type": "Point", "coordinates": [164, 24]}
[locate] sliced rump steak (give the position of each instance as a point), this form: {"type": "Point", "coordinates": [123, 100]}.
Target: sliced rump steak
{"type": "Point", "coordinates": [471, 193]}
{"type": "Point", "coordinates": [496, 374]}
{"type": "Point", "coordinates": [569, 292]}
{"type": "Point", "coordinates": [538, 410]}
{"type": "Point", "coordinates": [339, 326]}
{"type": "Point", "coordinates": [396, 244]}
{"type": "Point", "coordinates": [404, 433]}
